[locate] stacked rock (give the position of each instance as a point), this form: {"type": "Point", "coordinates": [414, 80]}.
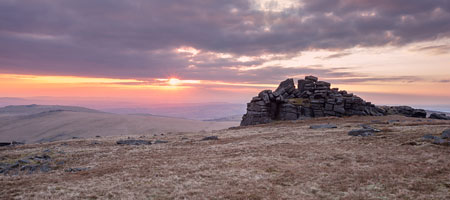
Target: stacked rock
{"type": "Point", "coordinates": [312, 98]}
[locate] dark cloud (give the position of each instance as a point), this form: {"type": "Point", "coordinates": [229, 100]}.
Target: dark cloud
{"type": "Point", "coordinates": [137, 38]}
{"type": "Point", "coordinates": [444, 81]}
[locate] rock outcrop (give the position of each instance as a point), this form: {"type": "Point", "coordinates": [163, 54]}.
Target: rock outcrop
{"type": "Point", "coordinates": [313, 98]}
{"type": "Point", "coordinates": [441, 116]}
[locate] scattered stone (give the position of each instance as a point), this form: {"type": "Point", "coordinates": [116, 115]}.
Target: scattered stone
{"type": "Point", "coordinates": [98, 136]}
{"type": "Point", "coordinates": [440, 141]}
{"type": "Point", "coordinates": [43, 157]}
{"type": "Point", "coordinates": [429, 137]}
{"type": "Point", "coordinates": [95, 143]}
{"type": "Point", "coordinates": [64, 144]}
{"type": "Point", "coordinates": [134, 142]}
{"type": "Point", "coordinates": [23, 161]}
{"type": "Point", "coordinates": [30, 168]}
{"type": "Point", "coordinates": [440, 116]}
{"type": "Point", "coordinates": [320, 126]}
{"type": "Point", "coordinates": [210, 138]}
{"type": "Point", "coordinates": [184, 138]}
{"type": "Point", "coordinates": [160, 142]}
{"type": "Point", "coordinates": [72, 170]}
{"type": "Point", "coordinates": [60, 163]}
{"type": "Point", "coordinates": [45, 168]}
{"type": "Point", "coordinates": [47, 151]}
{"type": "Point", "coordinates": [446, 134]}
{"type": "Point", "coordinates": [363, 132]}
{"type": "Point", "coordinates": [393, 121]}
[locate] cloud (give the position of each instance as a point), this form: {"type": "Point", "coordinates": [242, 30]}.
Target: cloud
{"type": "Point", "coordinates": [356, 79]}
{"type": "Point", "coordinates": [336, 55]}
{"type": "Point", "coordinates": [136, 39]}
{"type": "Point", "coordinates": [437, 49]}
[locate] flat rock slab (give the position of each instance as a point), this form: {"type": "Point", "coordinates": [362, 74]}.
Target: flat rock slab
{"type": "Point", "coordinates": [160, 142]}
{"type": "Point", "coordinates": [363, 132]}
{"type": "Point", "coordinates": [320, 126]}
{"type": "Point", "coordinates": [210, 138]}
{"type": "Point", "coordinates": [429, 137]}
{"type": "Point", "coordinates": [440, 141]}
{"type": "Point", "coordinates": [134, 142]}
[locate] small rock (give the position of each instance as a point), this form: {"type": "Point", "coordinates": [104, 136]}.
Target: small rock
{"type": "Point", "coordinates": [98, 136]}
{"type": "Point", "coordinates": [160, 142]}
{"type": "Point", "coordinates": [393, 121]}
{"type": "Point", "coordinates": [76, 169]}
{"type": "Point", "coordinates": [43, 157]}
{"type": "Point", "coordinates": [134, 142]}
{"type": "Point", "coordinates": [184, 138]}
{"type": "Point", "coordinates": [210, 138]}
{"type": "Point", "coordinates": [45, 168]}
{"type": "Point", "coordinates": [429, 137]}
{"type": "Point", "coordinates": [366, 126]}
{"type": "Point", "coordinates": [362, 132]}
{"type": "Point", "coordinates": [320, 126]}
{"type": "Point", "coordinates": [23, 161]}
{"type": "Point", "coordinates": [60, 163]}
{"type": "Point", "coordinates": [95, 143]}
{"type": "Point", "coordinates": [446, 134]}
{"type": "Point", "coordinates": [439, 141]}
{"type": "Point", "coordinates": [47, 151]}
{"type": "Point", "coordinates": [29, 168]}
{"type": "Point", "coordinates": [15, 165]}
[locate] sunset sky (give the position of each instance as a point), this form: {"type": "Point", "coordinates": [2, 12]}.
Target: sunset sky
{"type": "Point", "coordinates": [160, 51]}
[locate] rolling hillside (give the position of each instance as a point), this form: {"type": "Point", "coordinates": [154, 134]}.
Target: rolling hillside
{"type": "Point", "coordinates": [36, 123]}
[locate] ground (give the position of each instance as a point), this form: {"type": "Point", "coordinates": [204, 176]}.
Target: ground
{"type": "Point", "coordinates": [283, 160]}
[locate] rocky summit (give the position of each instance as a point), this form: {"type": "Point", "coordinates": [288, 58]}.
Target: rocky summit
{"type": "Point", "coordinates": [314, 98]}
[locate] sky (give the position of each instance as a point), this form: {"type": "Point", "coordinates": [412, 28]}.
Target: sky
{"type": "Point", "coordinates": [186, 51]}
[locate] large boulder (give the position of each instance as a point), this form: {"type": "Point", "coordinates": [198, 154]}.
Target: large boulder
{"type": "Point", "coordinates": [441, 116]}
{"type": "Point", "coordinates": [403, 110]}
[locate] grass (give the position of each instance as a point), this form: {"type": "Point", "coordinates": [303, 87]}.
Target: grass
{"type": "Point", "coordinates": [283, 160]}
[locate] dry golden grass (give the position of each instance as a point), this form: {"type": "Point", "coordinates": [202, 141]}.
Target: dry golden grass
{"type": "Point", "coordinates": [283, 160]}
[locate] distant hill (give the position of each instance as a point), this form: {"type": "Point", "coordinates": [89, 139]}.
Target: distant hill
{"type": "Point", "coordinates": [200, 111]}
{"type": "Point", "coordinates": [42, 123]}
{"type": "Point", "coordinates": [232, 118]}
{"type": "Point", "coordinates": [34, 109]}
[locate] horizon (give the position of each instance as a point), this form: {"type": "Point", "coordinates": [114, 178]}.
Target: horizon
{"type": "Point", "coordinates": [107, 54]}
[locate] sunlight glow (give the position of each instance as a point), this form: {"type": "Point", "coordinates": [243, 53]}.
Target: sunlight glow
{"type": "Point", "coordinates": [174, 81]}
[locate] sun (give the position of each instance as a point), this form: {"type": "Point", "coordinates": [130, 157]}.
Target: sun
{"type": "Point", "coordinates": [174, 81]}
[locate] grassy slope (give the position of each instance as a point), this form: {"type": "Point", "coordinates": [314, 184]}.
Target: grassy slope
{"type": "Point", "coordinates": [277, 161]}
{"type": "Point", "coordinates": [58, 125]}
